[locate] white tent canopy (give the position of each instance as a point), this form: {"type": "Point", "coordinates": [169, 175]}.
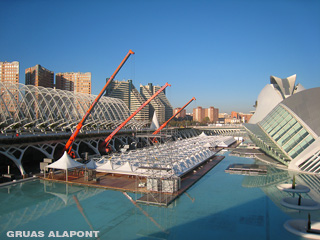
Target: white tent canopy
{"type": "Point", "coordinates": [106, 166]}
{"type": "Point", "coordinates": [91, 165]}
{"type": "Point", "coordinates": [65, 162]}
{"type": "Point", "coordinates": [203, 135]}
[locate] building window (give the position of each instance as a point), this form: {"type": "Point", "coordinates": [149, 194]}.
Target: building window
{"type": "Point", "coordinates": [286, 131]}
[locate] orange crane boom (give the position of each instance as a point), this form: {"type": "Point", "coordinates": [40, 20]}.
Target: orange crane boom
{"type": "Point", "coordinates": [106, 142]}
{"type": "Point", "coordinates": [165, 124]}
{"type": "Point", "coordinates": [68, 145]}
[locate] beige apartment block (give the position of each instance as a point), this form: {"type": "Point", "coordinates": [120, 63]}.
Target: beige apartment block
{"type": "Point", "coordinates": [75, 82]}
{"type": "Point", "coordinates": [9, 78]}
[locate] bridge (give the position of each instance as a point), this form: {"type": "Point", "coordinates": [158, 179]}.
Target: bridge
{"type": "Point", "coordinates": [236, 130]}
{"type": "Point", "coordinates": [36, 123]}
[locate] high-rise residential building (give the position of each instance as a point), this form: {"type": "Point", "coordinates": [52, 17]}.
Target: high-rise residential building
{"type": "Point", "coordinates": [39, 76]}
{"type": "Point", "coordinates": [9, 72]}
{"type": "Point", "coordinates": [9, 77]}
{"type": "Point", "coordinates": [155, 105]}
{"type": "Point", "coordinates": [199, 114]}
{"type": "Point", "coordinates": [164, 100]}
{"type": "Point", "coordinates": [75, 82]}
{"type": "Point", "coordinates": [126, 91]}
{"type": "Point", "coordinates": [182, 114]}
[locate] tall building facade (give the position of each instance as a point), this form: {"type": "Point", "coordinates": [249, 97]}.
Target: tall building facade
{"type": "Point", "coordinates": [182, 114]}
{"type": "Point", "coordinates": [126, 91]}
{"type": "Point", "coordinates": [155, 105]}
{"type": "Point", "coordinates": [9, 77]}
{"type": "Point", "coordinates": [199, 114]}
{"type": "Point", "coordinates": [39, 76]}
{"type": "Point", "coordinates": [164, 100]}
{"type": "Point", "coordinates": [9, 72]}
{"type": "Point", "coordinates": [75, 82]}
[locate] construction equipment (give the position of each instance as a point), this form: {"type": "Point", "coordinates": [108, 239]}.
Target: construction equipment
{"type": "Point", "coordinates": [104, 146]}
{"type": "Point", "coordinates": [68, 146]}
{"type": "Point", "coordinates": [165, 124]}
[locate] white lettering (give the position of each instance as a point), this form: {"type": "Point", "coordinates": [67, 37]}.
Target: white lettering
{"type": "Point", "coordinates": [41, 234]}
{"type": "Point", "coordinates": [10, 234]}
{"type": "Point", "coordinates": [95, 233]}
{"type": "Point", "coordinates": [57, 234]}
{"type": "Point", "coordinates": [25, 233]}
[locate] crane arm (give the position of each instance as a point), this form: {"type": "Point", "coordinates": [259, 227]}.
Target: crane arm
{"type": "Point", "coordinates": [107, 140]}
{"type": "Point", "coordinates": [67, 147]}
{"type": "Point", "coordinates": [165, 124]}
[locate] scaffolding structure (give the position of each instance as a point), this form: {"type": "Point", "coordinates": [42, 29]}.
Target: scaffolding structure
{"type": "Point", "coordinates": [158, 169]}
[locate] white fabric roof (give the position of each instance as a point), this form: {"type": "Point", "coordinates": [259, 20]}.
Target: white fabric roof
{"type": "Point", "coordinates": [65, 162]}
{"type": "Point", "coordinates": [106, 166]}
{"type": "Point", "coordinates": [202, 134]}
{"type": "Point", "coordinates": [91, 165]}
{"type": "Point", "coordinates": [127, 167]}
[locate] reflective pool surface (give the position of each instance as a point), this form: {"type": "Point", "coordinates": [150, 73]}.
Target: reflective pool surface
{"type": "Point", "coordinates": [219, 206]}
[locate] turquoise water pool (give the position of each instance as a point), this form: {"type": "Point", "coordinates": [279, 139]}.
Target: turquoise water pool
{"type": "Point", "coordinates": [218, 206]}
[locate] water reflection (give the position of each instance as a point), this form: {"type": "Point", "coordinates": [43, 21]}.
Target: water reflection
{"type": "Point", "coordinates": [27, 202]}
{"type": "Point", "coordinates": [268, 184]}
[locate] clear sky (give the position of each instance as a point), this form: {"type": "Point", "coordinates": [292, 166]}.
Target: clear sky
{"type": "Point", "coordinates": [220, 52]}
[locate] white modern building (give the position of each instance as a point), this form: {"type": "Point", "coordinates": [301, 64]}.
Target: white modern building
{"type": "Point", "coordinates": [286, 124]}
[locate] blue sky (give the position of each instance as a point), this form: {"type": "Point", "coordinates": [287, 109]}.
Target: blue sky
{"type": "Point", "coordinates": [220, 52]}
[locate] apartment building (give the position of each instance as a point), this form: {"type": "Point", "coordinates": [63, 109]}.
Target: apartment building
{"type": "Point", "coordinates": [39, 76]}
{"type": "Point", "coordinates": [9, 78]}
{"type": "Point", "coordinates": [126, 91]}
{"type": "Point", "coordinates": [9, 72]}
{"type": "Point", "coordinates": [199, 114]}
{"type": "Point", "coordinates": [75, 82]}
{"type": "Point", "coordinates": [182, 114]}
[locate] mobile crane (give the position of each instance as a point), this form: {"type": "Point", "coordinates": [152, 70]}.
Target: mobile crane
{"type": "Point", "coordinates": [68, 146]}
{"type": "Point", "coordinates": [104, 146]}
{"type": "Point", "coordinates": [165, 124]}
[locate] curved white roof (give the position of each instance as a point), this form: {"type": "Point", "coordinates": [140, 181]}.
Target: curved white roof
{"type": "Point", "coordinates": [267, 100]}
{"type": "Point", "coordinates": [272, 94]}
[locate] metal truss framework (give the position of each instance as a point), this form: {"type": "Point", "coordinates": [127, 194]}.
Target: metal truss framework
{"type": "Point", "coordinates": [16, 152]}
{"type": "Point", "coordinates": [26, 107]}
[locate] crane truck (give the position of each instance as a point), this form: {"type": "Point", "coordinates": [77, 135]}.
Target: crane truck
{"type": "Point", "coordinates": [104, 146]}
{"type": "Point", "coordinates": [68, 146]}
{"type": "Point", "coordinates": [165, 124]}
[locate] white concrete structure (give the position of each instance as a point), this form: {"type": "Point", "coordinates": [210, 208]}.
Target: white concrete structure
{"type": "Point", "coordinates": [272, 94]}
{"type": "Point", "coordinates": [288, 127]}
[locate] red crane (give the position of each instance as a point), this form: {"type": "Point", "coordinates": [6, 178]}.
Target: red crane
{"type": "Point", "coordinates": [105, 143]}
{"type": "Point", "coordinates": [165, 124]}
{"type": "Point", "coordinates": [68, 146]}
